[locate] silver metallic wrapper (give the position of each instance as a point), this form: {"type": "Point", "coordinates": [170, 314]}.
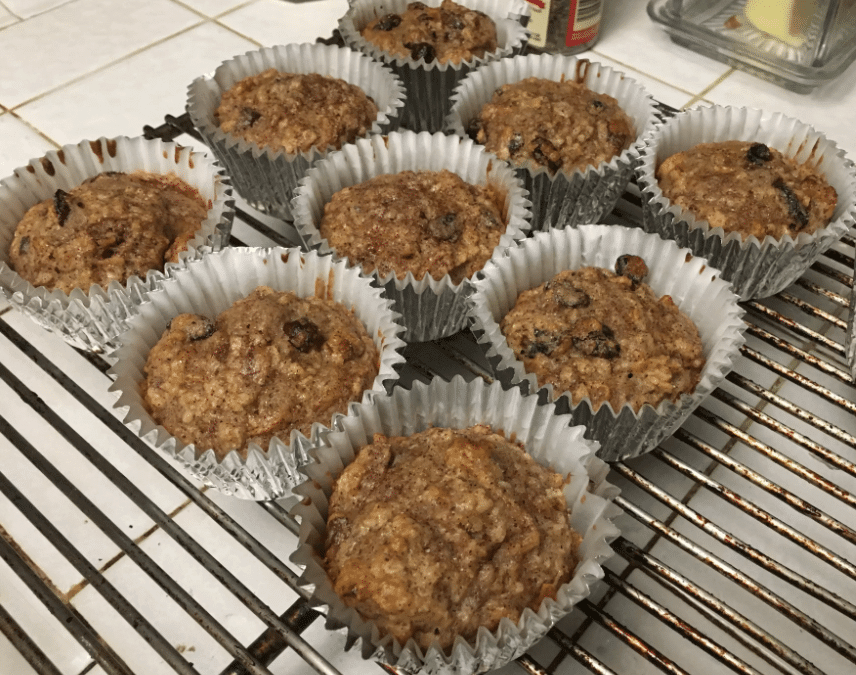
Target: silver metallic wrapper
{"type": "Point", "coordinates": [429, 85]}
{"type": "Point", "coordinates": [850, 338]}
{"type": "Point", "coordinates": [89, 318]}
{"type": "Point", "coordinates": [756, 269]}
{"type": "Point", "coordinates": [266, 177]}
{"type": "Point", "coordinates": [430, 308]}
{"type": "Point", "coordinates": [458, 404]}
{"type": "Point", "coordinates": [696, 288]}
{"type": "Point", "coordinates": [562, 199]}
{"type": "Point", "coordinates": [212, 283]}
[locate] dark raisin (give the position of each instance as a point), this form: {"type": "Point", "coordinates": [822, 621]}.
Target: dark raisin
{"type": "Point", "coordinates": [200, 329]}
{"type": "Point", "coordinates": [545, 153]}
{"type": "Point", "coordinates": [61, 206]}
{"type": "Point", "coordinates": [545, 342]}
{"type": "Point", "coordinates": [421, 50]}
{"type": "Point", "coordinates": [248, 118]}
{"type": "Point", "coordinates": [566, 294]}
{"type": "Point", "coordinates": [444, 227]}
{"type": "Point", "coordinates": [600, 343]}
{"type": "Point", "coordinates": [795, 208]}
{"type": "Point", "coordinates": [632, 267]}
{"type": "Point", "coordinates": [597, 105]}
{"type": "Point", "coordinates": [388, 22]}
{"type": "Point", "coordinates": [758, 153]}
{"type": "Point", "coordinates": [303, 335]}
{"type": "Point", "coordinates": [24, 245]}
{"type": "Point", "coordinates": [515, 143]}
{"type": "Point", "coordinates": [473, 128]}
{"type": "Point", "coordinates": [451, 20]}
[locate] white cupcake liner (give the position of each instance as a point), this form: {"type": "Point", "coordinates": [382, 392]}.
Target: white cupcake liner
{"type": "Point", "coordinates": [211, 284]}
{"type": "Point", "coordinates": [430, 308]}
{"type": "Point", "coordinates": [563, 199]}
{"type": "Point", "coordinates": [429, 85]}
{"type": "Point", "coordinates": [88, 318]}
{"type": "Point", "coordinates": [696, 288]}
{"type": "Point", "coordinates": [266, 177]}
{"type": "Point", "coordinates": [458, 404]}
{"type": "Point", "coordinates": [756, 269]}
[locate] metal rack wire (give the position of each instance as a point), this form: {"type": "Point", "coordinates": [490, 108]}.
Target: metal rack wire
{"type": "Point", "coordinates": [737, 550]}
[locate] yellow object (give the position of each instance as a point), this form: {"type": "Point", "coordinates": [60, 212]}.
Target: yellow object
{"type": "Point", "coordinates": [785, 20]}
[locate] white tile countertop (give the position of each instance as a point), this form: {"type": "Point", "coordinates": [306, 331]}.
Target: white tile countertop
{"type": "Point", "coordinates": [83, 69]}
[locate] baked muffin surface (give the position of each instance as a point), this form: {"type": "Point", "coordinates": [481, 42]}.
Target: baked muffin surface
{"type": "Point", "coordinates": [605, 336]}
{"type": "Point", "coordinates": [748, 188]}
{"type": "Point", "coordinates": [295, 112]}
{"type": "Point", "coordinates": [270, 363]}
{"type": "Point", "coordinates": [435, 534]}
{"type": "Point", "coordinates": [448, 33]}
{"type": "Point", "coordinates": [110, 227]}
{"type": "Point", "coordinates": [424, 222]}
{"type": "Point", "coordinates": [563, 126]}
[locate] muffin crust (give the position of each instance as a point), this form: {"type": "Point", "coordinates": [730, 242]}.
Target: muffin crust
{"type": "Point", "coordinates": [448, 33]}
{"type": "Point", "coordinates": [422, 222]}
{"type": "Point", "coordinates": [111, 227]}
{"type": "Point", "coordinates": [296, 112]}
{"type": "Point", "coordinates": [605, 336]}
{"type": "Point", "coordinates": [438, 533]}
{"type": "Point", "coordinates": [748, 188]}
{"type": "Point", "coordinates": [271, 363]}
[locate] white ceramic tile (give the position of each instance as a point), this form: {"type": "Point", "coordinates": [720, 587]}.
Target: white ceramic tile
{"type": "Point", "coordinates": [660, 90]}
{"type": "Point", "coordinates": [6, 17]}
{"type": "Point", "coordinates": [19, 143]}
{"type": "Point", "coordinates": [83, 36]}
{"type": "Point", "coordinates": [829, 108]}
{"type": "Point", "coordinates": [138, 90]}
{"type": "Point", "coordinates": [214, 7]}
{"type": "Point", "coordinates": [29, 8]}
{"type": "Point", "coordinates": [629, 36]}
{"type": "Point", "coordinates": [273, 22]}
{"type": "Point", "coordinates": [11, 658]}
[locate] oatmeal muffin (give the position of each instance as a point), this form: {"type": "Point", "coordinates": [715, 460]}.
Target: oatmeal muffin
{"type": "Point", "coordinates": [111, 227]}
{"type": "Point", "coordinates": [295, 112]}
{"type": "Point", "coordinates": [749, 188]}
{"type": "Point", "coordinates": [271, 363]}
{"type": "Point", "coordinates": [561, 125]}
{"type": "Point", "coordinates": [423, 222]}
{"type": "Point", "coordinates": [606, 336]}
{"type": "Point", "coordinates": [438, 533]}
{"type": "Point", "coordinates": [448, 33]}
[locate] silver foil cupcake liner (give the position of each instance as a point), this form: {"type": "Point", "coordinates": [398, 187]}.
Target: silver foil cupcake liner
{"type": "Point", "coordinates": [562, 199]}
{"type": "Point", "coordinates": [430, 308]}
{"type": "Point", "coordinates": [88, 318]}
{"type": "Point", "coordinates": [850, 337]}
{"type": "Point", "coordinates": [756, 269]}
{"type": "Point", "coordinates": [430, 85]}
{"type": "Point", "coordinates": [266, 177]}
{"type": "Point", "coordinates": [459, 404]}
{"type": "Point", "coordinates": [210, 284]}
{"type": "Point", "coordinates": [696, 288]}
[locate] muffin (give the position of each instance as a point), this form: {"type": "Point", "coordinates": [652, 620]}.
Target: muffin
{"type": "Point", "coordinates": [486, 435]}
{"type": "Point", "coordinates": [657, 385]}
{"type": "Point", "coordinates": [462, 206]}
{"type": "Point", "coordinates": [109, 228]}
{"type": "Point", "coordinates": [238, 399]}
{"type": "Point", "coordinates": [270, 114]}
{"type": "Point", "coordinates": [432, 45]}
{"type": "Point", "coordinates": [88, 230]}
{"type": "Point", "coordinates": [760, 195]}
{"type": "Point", "coordinates": [606, 336]}
{"type": "Point", "coordinates": [440, 224]}
{"type": "Point", "coordinates": [572, 129]}
{"type": "Point", "coordinates": [269, 364]}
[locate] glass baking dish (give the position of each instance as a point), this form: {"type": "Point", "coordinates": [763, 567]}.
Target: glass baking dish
{"type": "Point", "coordinates": [797, 44]}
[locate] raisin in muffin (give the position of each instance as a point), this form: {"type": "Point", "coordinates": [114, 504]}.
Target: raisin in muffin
{"type": "Point", "coordinates": [422, 222]}
{"type": "Point", "coordinates": [749, 188]}
{"type": "Point", "coordinates": [606, 336]}
{"type": "Point", "coordinates": [295, 112]}
{"type": "Point", "coordinates": [271, 363]}
{"type": "Point", "coordinates": [439, 533]}
{"type": "Point", "coordinates": [448, 33]}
